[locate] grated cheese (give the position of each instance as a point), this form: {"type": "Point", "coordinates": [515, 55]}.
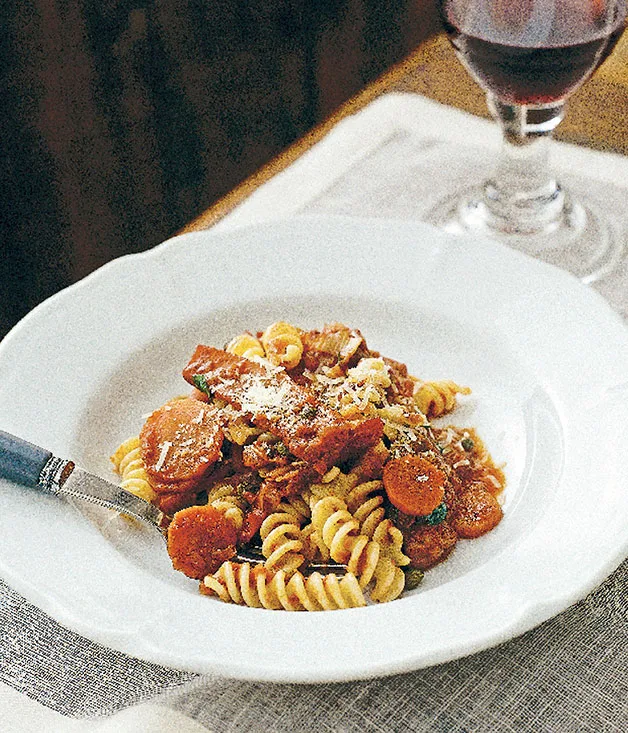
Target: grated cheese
{"type": "Point", "coordinates": [199, 418]}
{"type": "Point", "coordinates": [165, 447]}
{"type": "Point", "coordinates": [265, 397]}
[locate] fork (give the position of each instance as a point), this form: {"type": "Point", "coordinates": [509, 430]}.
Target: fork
{"type": "Point", "coordinates": [29, 465]}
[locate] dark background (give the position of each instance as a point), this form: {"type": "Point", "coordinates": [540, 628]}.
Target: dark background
{"type": "Point", "coordinates": [121, 120]}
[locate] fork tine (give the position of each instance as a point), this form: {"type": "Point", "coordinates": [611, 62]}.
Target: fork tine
{"type": "Point", "coordinates": [253, 554]}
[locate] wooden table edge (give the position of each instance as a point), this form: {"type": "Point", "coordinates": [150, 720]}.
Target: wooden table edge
{"type": "Point", "coordinates": [407, 76]}
{"type": "Point", "coordinates": [242, 191]}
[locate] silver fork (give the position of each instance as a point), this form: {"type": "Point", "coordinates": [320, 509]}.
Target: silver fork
{"type": "Point", "coordinates": [29, 465]}
{"type": "Point", "coordinates": [36, 468]}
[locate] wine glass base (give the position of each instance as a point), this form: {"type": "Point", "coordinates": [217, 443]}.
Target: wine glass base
{"type": "Point", "coordinates": [577, 239]}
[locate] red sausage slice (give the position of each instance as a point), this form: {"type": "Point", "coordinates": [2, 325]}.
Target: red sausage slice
{"type": "Point", "coordinates": [200, 539]}
{"type": "Point", "coordinates": [180, 442]}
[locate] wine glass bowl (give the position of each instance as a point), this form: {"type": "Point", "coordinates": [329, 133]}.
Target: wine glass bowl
{"type": "Point", "coordinates": [529, 56]}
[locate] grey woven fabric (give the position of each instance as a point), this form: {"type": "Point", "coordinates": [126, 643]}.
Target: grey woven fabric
{"type": "Point", "coordinates": [568, 675]}
{"type": "Point", "coordinates": [67, 672]}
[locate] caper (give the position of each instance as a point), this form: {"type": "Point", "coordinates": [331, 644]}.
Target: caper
{"type": "Point", "coordinates": [414, 576]}
{"type": "Point", "coordinates": [308, 412]}
{"type": "Point", "coordinates": [467, 444]}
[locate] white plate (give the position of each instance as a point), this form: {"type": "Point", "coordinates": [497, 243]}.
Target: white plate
{"type": "Point", "coordinates": [548, 364]}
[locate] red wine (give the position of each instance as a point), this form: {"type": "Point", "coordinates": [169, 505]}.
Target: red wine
{"type": "Point", "coordinates": [530, 74]}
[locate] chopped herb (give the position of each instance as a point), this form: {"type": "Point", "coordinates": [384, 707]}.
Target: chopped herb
{"type": "Point", "coordinates": [414, 577]}
{"type": "Point", "coordinates": [437, 516]}
{"type": "Point", "coordinates": [276, 449]}
{"type": "Point", "coordinates": [309, 412]}
{"type": "Point", "coordinates": [200, 382]}
{"type": "Point", "coordinates": [467, 444]}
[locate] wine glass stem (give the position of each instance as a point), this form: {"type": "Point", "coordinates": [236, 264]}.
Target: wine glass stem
{"type": "Point", "coordinates": [522, 196]}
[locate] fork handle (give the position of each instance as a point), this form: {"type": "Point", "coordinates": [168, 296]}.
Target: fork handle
{"type": "Point", "coordinates": [21, 461]}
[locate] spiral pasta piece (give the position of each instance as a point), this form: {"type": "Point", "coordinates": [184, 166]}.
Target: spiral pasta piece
{"type": "Point", "coordinates": [281, 543]}
{"type": "Point", "coordinates": [245, 345]}
{"type": "Point", "coordinates": [227, 499]}
{"type": "Point", "coordinates": [389, 581]}
{"type": "Point", "coordinates": [297, 507]}
{"type": "Point", "coordinates": [260, 588]}
{"type": "Point", "coordinates": [366, 502]}
{"type": "Point", "coordinates": [339, 531]}
{"type": "Point", "coordinates": [314, 548]}
{"type": "Point", "coordinates": [339, 485]}
{"type": "Point", "coordinates": [389, 577]}
{"type": "Point", "coordinates": [127, 461]}
{"type": "Point", "coordinates": [390, 540]}
{"type": "Point", "coordinates": [437, 398]}
{"type": "Point", "coordinates": [283, 345]}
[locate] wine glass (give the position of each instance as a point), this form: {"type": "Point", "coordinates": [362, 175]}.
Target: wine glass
{"type": "Point", "coordinates": [529, 56]}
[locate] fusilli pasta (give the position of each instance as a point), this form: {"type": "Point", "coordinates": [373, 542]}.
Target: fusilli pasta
{"type": "Point", "coordinates": [366, 502]}
{"type": "Point", "coordinates": [281, 543]}
{"type": "Point", "coordinates": [339, 531]}
{"type": "Point", "coordinates": [259, 588]}
{"type": "Point", "coordinates": [283, 345]}
{"type": "Point", "coordinates": [127, 461]}
{"type": "Point", "coordinates": [227, 500]}
{"type": "Point", "coordinates": [435, 399]}
{"type": "Point", "coordinates": [245, 345]}
{"type": "Point", "coordinates": [389, 578]}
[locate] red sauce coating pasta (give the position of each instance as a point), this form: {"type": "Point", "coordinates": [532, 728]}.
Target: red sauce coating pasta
{"type": "Point", "coordinates": [311, 431]}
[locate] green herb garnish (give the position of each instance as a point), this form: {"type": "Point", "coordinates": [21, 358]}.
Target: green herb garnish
{"type": "Point", "coordinates": [437, 516]}
{"type": "Point", "coordinates": [200, 382]}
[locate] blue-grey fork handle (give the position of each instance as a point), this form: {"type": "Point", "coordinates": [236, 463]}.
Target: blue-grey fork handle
{"type": "Point", "coordinates": [21, 461]}
{"type": "Point", "coordinates": [29, 465]}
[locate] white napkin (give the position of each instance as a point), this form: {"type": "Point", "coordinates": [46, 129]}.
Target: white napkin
{"type": "Point", "coordinates": [388, 160]}
{"type": "Point", "coordinates": [20, 714]}
{"type": "Point", "coordinates": [392, 151]}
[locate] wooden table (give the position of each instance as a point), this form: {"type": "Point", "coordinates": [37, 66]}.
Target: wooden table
{"type": "Point", "coordinates": [597, 115]}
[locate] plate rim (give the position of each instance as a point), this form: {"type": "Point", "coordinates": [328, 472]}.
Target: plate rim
{"type": "Point", "coordinates": [527, 619]}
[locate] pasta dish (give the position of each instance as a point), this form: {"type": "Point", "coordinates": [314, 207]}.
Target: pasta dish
{"type": "Point", "coordinates": [305, 471]}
